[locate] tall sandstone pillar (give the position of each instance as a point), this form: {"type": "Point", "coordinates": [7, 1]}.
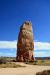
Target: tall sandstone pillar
{"type": "Point", "coordinates": [25, 44]}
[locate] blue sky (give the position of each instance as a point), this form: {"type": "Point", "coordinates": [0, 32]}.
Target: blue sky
{"type": "Point", "coordinates": [13, 13]}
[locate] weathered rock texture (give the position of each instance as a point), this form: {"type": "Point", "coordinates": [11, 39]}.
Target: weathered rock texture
{"type": "Point", "coordinates": [25, 43]}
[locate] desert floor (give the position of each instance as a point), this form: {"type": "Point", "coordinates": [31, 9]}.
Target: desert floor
{"type": "Point", "coordinates": [28, 70]}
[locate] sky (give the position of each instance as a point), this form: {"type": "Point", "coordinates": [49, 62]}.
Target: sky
{"type": "Point", "coordinates": [13, 13]}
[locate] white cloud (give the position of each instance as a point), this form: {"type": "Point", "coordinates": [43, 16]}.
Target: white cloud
{"type": "Point", "coordinates": [41, 46]}
{"type": "Point", "coordinates": [38, 47]}
{"type": "Point", "coordinates": [8, 44]}
{"type": "Point", "coordinates": [13, 44]}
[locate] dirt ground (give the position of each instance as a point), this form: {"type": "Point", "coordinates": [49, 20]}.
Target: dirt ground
{"type": "Point", "coordinates": [28, 70]}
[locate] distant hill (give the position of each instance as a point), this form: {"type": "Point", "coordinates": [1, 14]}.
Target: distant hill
{"type": "Point", "coordinates": [42, 58]}
{"type": "Point", "coordinates": [38, 58]}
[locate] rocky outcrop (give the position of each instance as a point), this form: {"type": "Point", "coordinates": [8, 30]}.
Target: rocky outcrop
{"type": "Point", "coordinates": [45, 72]}
{"type": "Point", "coordinates": [25, 43]}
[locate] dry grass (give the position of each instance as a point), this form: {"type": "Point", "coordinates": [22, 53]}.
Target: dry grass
{"type": "Point", "coordinates": [43, 62]}
{"type": "Point", "coordinates": [40, 62]}
{"type": "Point", "coordinates": [10, 65]}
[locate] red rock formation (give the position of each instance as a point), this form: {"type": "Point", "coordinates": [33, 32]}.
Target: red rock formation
{"type": "Point", "coordinates": [25, 45]}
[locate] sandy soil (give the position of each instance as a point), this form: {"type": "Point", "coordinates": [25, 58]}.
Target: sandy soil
{"type": "Point", "coordinates": [28, 70]}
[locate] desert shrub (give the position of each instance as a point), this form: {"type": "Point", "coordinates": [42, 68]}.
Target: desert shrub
{"type": "Point", "coordinates": [13, 60]}
{"type": "Point", "coordinates": [42, 61]}
{"type": "Point", "coordinates": [2, 61]}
